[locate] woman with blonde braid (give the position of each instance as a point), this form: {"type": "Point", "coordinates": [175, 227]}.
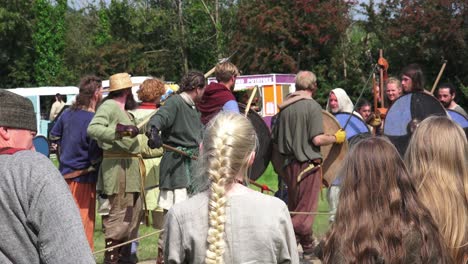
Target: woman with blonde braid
{"type": "Point", "coordinates": [227, 222]}
{"type": "Point", "coordinates": [437, 158]}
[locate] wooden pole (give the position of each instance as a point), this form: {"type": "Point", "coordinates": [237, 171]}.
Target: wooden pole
{"type": "Point", "coordinates": [382, 101]}
{"type": "Point", "coordinates": [438, 77]}
{"type": "Point", "coordinates": [195, 158]}
{"type": "Point", "coordinates": [374, 89]}
{"type": "Point", "coordinates": [145, 120]}
{"type": "Point", "coordinates": [252, 96]}
{"type": "Point", "coordinates": [208, 73]}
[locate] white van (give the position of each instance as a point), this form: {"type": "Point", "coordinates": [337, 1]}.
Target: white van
{"type": "Point", "coordinates": [42, 99]}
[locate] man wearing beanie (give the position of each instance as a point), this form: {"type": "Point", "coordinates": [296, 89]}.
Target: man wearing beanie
{"type": "Point", "coordinates": [40, 221]}
{"type": "Point", "coordinates": [120, 174]}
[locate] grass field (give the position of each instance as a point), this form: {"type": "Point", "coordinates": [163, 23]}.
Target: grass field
{"type": "Point", "coordinates": [147, 248]}
{"type": "Point", "coordinates": [320, 226]}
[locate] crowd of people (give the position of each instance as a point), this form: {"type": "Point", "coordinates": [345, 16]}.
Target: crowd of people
{"type": "Point", "coordinates": [186, 163]}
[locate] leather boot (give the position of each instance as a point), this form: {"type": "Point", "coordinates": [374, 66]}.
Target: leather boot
{"type": "Point", "coordinates": [308, 243]}
{"type": "Point", "coordinates": [160, 258]}
{"type": "Point", "coordinates": [111, 256]}
{"type": "Point", "coordinates": [126, 256]}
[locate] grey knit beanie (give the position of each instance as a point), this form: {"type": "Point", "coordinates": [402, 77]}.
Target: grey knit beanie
{"type": "Point", "coordinates": [16, 111]}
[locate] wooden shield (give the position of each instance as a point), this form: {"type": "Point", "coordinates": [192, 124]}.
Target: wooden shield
{"type": "Point", "coordinates": [263, 154]}
{"type": "Point", "coordinates": [459, 119]}
{"type": "Point", "coordinates": [41, 144]}
{"type": "Point", "coordinates": [334, 154]}
{"type": "Point", "coordinates": [406, 112]}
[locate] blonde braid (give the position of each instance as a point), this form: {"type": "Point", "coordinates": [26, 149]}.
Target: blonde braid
{"type": "Point", "coordinates": [218, 170]}
{"type": "Point", "coordinates": [228, 142]}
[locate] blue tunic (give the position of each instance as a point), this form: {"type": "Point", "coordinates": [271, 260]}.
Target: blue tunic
{"type": "Point", "coordinates": [77, 150]}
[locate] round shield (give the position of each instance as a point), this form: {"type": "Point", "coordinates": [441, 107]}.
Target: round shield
{"type": "Point", "coordinates": [263, 154]}
{"type": "Point", "coordinates": [41, 145]}
{"type": "Point", "coordinates": [354, 126]}
{"type": "Point", "coordinates": [333, 154]}
{"type": "Point", "coordinates": [459, 119]}
{"type": "Point", "coordinates": [404, 115]}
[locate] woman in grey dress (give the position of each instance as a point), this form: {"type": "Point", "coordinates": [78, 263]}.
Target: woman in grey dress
{"type": "Point", "coordinates": [227, 222]}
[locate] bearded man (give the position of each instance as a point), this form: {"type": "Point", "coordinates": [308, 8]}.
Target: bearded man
{"type": "Point", "coordinates": [446, 96]}
{"type": "Point", "coordinates": [119, 176]}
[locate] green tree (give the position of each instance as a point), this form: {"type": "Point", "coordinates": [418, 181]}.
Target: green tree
{"type": "Point", "coordinates": [49, 41]}
{"type": "Point", "coordinates": [424, 32]}
{"type": "Point", "coordinates": [80, 52]}
{"type": "Point", "coordinates": [285, 36]}
{"type": "Point", "coordinates": [103, 35]}
{"type": "Point", "coordinates": [16, 53]}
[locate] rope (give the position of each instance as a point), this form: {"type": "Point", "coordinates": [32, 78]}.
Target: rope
{"type": "Point", "coordinates": [360, 95]}
{"type": "Point", "coordinates": [127, 242]}
{"type": "Point", "coordinates": [159, 231]}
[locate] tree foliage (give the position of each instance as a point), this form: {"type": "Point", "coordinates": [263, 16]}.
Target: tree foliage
{"type": "Point", "coordinates": [425, 32]}
{"type": "Point", "coordinates": [16, 53]}
{"type": "Point", "coordinates": [288, 35]}
{"type": "Point", "coordinates": [49, 41]}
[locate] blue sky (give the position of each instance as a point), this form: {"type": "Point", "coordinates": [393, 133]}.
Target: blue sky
{"type": "Point", "coordinates": [83, 3]}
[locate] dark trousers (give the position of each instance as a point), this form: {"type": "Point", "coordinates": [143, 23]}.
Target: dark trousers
{"type": "Point", "coordinates": [303, 197]}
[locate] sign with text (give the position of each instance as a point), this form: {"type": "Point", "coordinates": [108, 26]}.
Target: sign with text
{"type": "Point", "coordinates": [247, 81]}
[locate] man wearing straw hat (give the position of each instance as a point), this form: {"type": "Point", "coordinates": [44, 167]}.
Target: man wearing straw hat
{"type": "Point", "coordinates": [120, 173]}
{"type": "Point", "coordinates": [40, 221]}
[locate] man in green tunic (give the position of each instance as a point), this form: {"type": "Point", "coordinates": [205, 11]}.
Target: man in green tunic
{"type": "Point", "coordinates": [179, 122]}
{"type": "Point", "coordinates": [119, 174]}
{"type": "Point", "coordinates": [299, 135]}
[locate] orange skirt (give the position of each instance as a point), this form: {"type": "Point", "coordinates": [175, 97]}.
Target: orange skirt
{"type": "Point", "coordinates": [85, 198]}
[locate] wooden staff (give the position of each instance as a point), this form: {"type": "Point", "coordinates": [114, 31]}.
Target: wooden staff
{"type": "Point", "coordinates": [146, 120]}
{"type": "Point", "coordinates": [438, 77]}
{"type": "Point", "coordinates": [193, 157]}
{"type": "Point", "coordinates": [207, 74]}
{"type": "Point", "coordinates": [374, 88]}
{"type": "Point", "coordinates": [254, 92]}
{"type": "Point", "coordinates": [382, 103]}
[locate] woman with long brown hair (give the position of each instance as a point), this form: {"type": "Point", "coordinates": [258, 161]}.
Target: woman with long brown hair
{"type": "Point", "coordinates": [380, 218]}
{"type": "Point", "coordinates": [437, 158]}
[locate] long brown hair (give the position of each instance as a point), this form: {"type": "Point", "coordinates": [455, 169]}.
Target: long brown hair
{"type": "Point", "coordinates": [378, 208]}
{"type": "Point", "coordinates": [437, 158]}
{"type": "Point", "coordinates": [415, 72]}
{"type": "Point", "coordinates": [88, 86]}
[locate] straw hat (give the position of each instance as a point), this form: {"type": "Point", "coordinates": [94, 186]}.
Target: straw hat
{"type": "Point", "coordinates": [119, 81]}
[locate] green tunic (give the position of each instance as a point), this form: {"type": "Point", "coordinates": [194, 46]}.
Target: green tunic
{"type": "Point", "coordinates": [180, 127]}
{"type": "Point", "coordinates": [152, 157]}
{"type": "Point", "coordinates": [102, 129]}
{"type": "Point", "coordinates": [299, 123]}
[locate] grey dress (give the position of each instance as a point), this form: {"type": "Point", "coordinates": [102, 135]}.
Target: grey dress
{"type": "Point", "coordinates": [258, 230]}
